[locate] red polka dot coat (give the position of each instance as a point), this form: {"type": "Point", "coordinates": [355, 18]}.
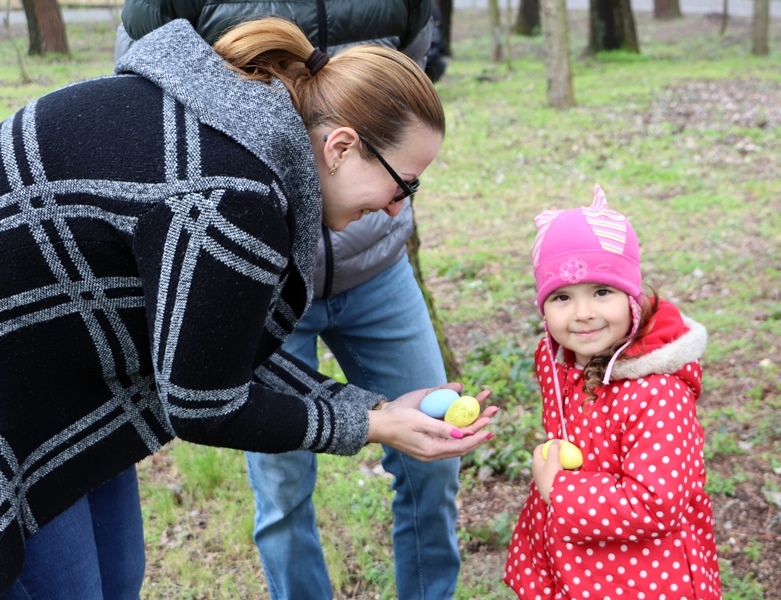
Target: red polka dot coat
{"type": "Point", "coordinates": [634, 521]}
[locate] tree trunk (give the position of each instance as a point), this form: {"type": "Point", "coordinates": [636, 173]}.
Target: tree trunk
{"type": "Point", "coordinates": [495, 23]}
{"type": "Point", "coordinates": [724, 16]}
{"type": "Point", "coordinates": [759, 27]}
{"type": "Point", "coordinates": [45, 27]}
{"type": "Point", "coordinates": [667, 9]}
{"type": "Point", "coordinates": [452, 368]}
{"type": "Point", "coordinates": [528, 21]}
{"type": "Point", "coordinates": [612, 26]}
{"type": "Point", "coordinates": [446, 7]}
{"type": "Point", "coordinates": [555, 31]}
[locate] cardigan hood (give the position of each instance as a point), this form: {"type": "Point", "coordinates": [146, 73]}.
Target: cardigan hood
{"type": "Point", "coordinates": [255, 114]}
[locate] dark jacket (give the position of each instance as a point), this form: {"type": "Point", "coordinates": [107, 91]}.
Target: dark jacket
{"type": "Point", "coordinates": [393, 23]}
{"type": "Point", "coordinates": [158, 234]}
{"type": "Point", "coordinates": [376, 242]}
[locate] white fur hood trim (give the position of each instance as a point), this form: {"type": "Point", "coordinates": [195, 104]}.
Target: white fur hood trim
{"type": "Point", "coordinates": [669, 358]}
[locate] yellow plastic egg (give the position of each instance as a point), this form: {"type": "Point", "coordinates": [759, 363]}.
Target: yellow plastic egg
{"type": "Point", "coordinates": [464, 411]}
{"type": "Point", "coordinates": [569, 454]}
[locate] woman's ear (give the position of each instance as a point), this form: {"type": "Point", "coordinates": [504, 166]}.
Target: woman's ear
{"type": "Point", "coordinates": [339, 142]}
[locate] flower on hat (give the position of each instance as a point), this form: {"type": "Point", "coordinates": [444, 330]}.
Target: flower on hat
{"type": "Point", "coordinates": [573, 270]}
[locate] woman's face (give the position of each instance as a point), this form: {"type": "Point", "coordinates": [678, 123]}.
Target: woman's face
{"type": "Point", "coordinates": [359, 186]}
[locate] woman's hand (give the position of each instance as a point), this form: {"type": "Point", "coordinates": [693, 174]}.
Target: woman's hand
{"type": "Point", "coordinates": [401, 425]}
{"type": "Point", "coordinates": [544, 471]}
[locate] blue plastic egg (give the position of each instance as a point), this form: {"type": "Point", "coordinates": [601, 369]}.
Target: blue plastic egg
{"type": "Point", "coordinates": [437, 402]}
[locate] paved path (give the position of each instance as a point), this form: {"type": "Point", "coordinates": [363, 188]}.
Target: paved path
{"type": "Point", "coordinates": [80, 15]}
{"type": "Point", "coordinates": [736, 8]}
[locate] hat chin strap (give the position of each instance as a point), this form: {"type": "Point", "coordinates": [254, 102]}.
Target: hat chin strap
{"type": "Point", "coordinates": [556, 385]}
{"type": "Point", "coordinates": [609, 369]}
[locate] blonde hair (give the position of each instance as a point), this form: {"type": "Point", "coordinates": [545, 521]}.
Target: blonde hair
{"type": "Point", "coordinates": [378, 91]}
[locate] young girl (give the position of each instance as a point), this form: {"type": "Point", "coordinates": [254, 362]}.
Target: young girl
{"type": "Point", "coordinates": [619, 374]}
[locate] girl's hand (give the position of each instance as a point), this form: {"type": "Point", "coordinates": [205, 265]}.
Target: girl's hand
{"type": "Point", "coordinates": [544, 471]}
{"type": "Point", "coordinates": [401, 425]}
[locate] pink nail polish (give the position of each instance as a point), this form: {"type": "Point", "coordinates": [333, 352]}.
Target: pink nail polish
{"type": "Point", "coordinates": [455, 433]}
{"type": "Point", "coordinates": [490, 436]}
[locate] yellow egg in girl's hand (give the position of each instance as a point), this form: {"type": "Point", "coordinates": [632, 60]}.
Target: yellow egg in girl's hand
{"type": "Point", "coordinates": [464, 411]}
{"type": "Point", "coordinates": [570, 455]}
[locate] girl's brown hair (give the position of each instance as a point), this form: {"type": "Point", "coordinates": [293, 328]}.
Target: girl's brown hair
{"type": "Point", "coordinates": [377, 91]}
{"type": "Point", "coordinates": [594, 371]}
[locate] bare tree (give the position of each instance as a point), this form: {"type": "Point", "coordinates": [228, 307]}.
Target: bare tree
{"type": "Point", "coordinates": [528, 21]}
{"type": "Point", "coordinates": [555, 31]}
{"type": "Point", "coordinates": [612, 26]}
{"type": "Point", "coordinates": [495, 23]}
{"type": "Point", "coordinates": [45, 27]}
{"type": "Point", "coordinates": [759, 27]}
{"type": "Point", "coordinates": [724, 16]}
{"type": "Point", "coordinates": [667, 9]}
{"type": "Point", "coordinates": [452, 367]}
{"type": "Point", "coordinates": [24, 75]}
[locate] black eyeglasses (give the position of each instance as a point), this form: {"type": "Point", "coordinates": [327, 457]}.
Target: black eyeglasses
{"type": "Point", "coordinates": [407, 189]}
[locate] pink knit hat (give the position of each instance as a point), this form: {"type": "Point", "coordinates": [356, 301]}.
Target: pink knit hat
{"type": "Point", "coordinates": [586, 245]}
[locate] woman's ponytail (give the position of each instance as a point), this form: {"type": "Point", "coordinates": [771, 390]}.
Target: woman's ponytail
{"type": "Point", "coordinates": [374, 89]}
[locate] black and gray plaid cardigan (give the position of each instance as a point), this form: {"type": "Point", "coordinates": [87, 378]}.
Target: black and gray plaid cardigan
{"type": "Point", "coordinates": [157, 231]}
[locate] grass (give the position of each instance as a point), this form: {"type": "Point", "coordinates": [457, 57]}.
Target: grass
{"type": "Point", "coordinates": [92, 55]}
{"type": "Point", "coordinates": [685, 140]}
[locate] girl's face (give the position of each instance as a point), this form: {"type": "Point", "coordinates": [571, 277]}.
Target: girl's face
{"type": "Point", "coordinates": [587, 318]}
{"type": "Point", "coordinates": [359, 186]}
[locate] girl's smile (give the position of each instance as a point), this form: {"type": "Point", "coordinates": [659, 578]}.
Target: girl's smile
{"type": "Point", "coordinates": [588, 334]}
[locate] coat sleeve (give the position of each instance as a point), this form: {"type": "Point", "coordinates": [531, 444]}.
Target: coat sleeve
{"type": "Point", "coordinates": [212, 264]}
{"type": "Point", "coordinates": [661, 462]}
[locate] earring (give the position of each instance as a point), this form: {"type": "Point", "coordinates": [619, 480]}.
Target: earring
{"type": "Point", "coordinates": [332, 170]}
{"type": "Point", "coordinates": [366, 211]}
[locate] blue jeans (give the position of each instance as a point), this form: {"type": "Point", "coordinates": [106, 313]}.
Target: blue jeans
{"type": "Point", "coordinates": [381, 335]}
{"type": "Point", "coordinates": [92, 551]}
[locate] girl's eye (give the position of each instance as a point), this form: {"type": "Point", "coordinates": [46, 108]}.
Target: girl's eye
{"type": "Point", "coordinates": [560, 298]}
{"type": "Point", "coordinates": [603, 292]}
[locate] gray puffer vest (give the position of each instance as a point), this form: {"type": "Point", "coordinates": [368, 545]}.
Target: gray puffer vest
{"type": "Point", "coordinates": [376, 242]}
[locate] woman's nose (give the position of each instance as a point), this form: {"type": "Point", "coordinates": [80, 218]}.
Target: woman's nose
{"type": "Point", "coordinates": [394, 208]}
